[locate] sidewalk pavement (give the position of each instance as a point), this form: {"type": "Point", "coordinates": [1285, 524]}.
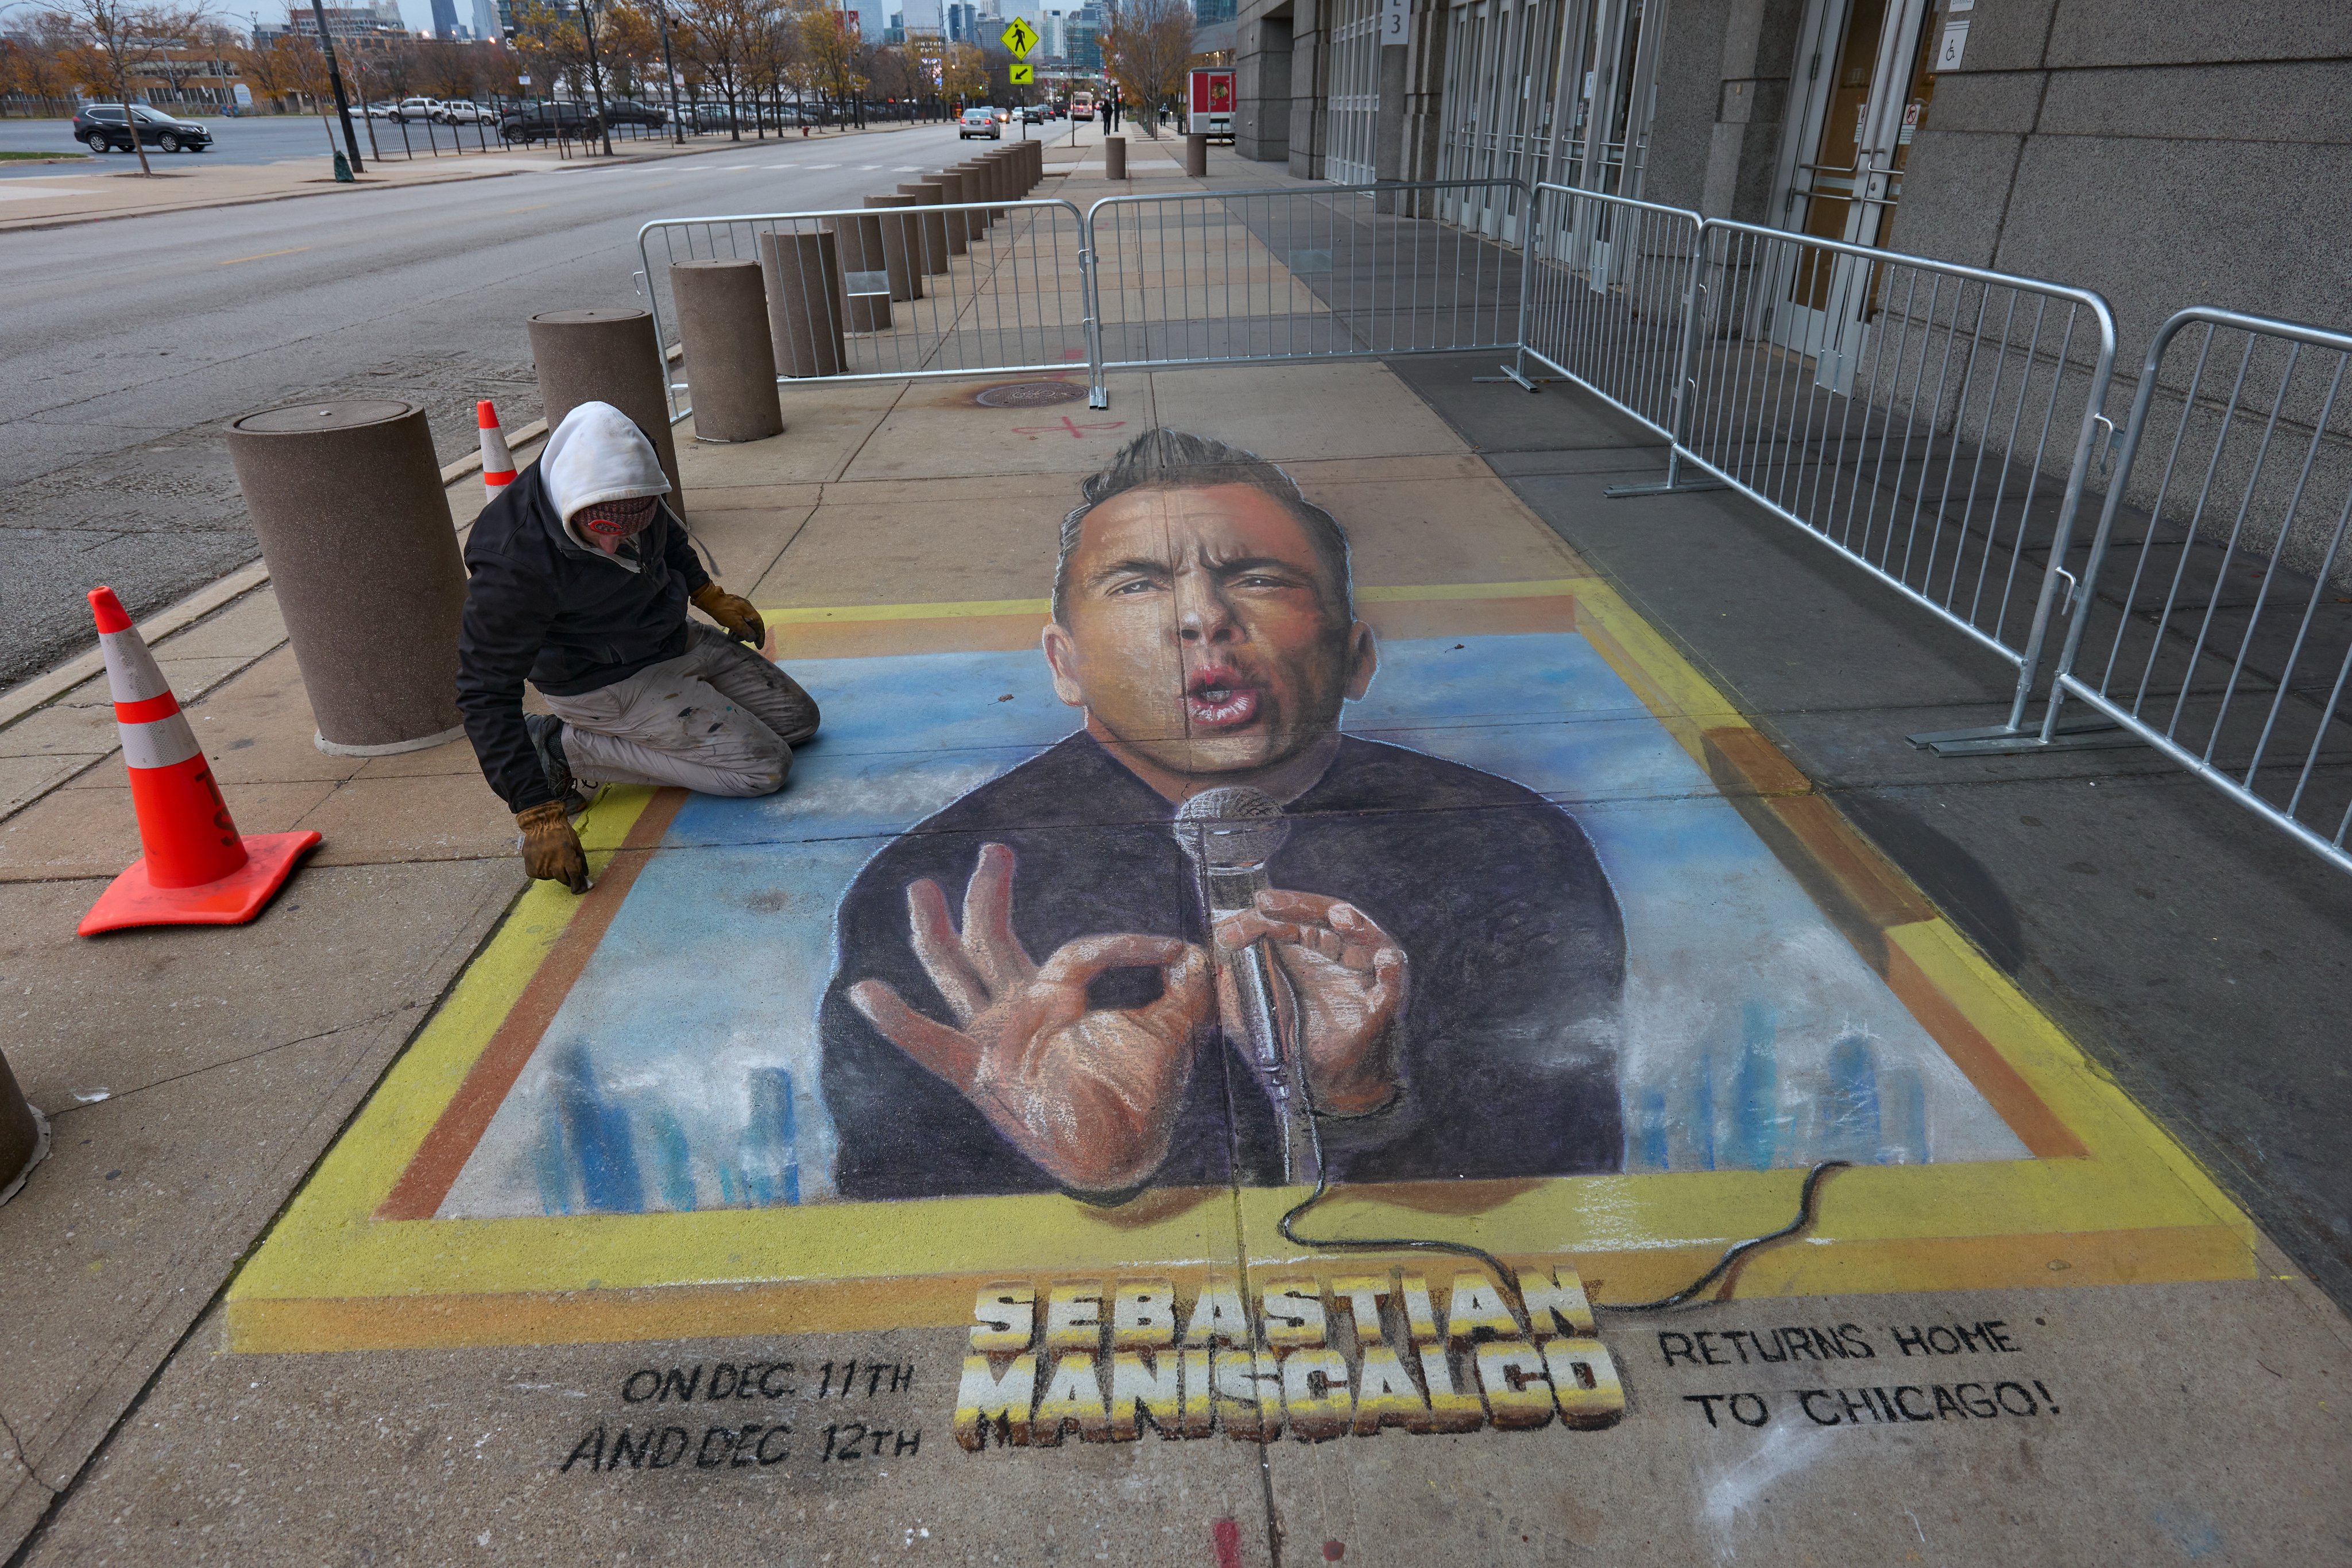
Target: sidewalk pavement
{"type": "Point", "coordinates": [114, 188]}
{"type": "Point", "coordinates": [564, 1270]}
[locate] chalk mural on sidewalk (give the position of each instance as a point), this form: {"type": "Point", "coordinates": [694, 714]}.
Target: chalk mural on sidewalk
{"type": "Point", "coordinates": [1509, 928]}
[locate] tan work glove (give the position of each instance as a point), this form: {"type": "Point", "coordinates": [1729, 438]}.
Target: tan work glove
{"type": "Point", "coordinates": [733, 612]}
{"type": "Point", "coordinates": [551, 850]}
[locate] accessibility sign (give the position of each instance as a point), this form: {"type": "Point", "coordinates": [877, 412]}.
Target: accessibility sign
{"type": "Point", "coordinates": [1020, 38]}
{"type": "Point", "coordinates": [1024, 75]}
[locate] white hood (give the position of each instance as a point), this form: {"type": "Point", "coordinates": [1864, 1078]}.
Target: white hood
{"type": "Point", "coordinates": [598, 453]}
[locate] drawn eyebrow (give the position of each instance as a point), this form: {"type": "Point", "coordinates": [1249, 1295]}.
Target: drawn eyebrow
{"type": "Point", "coordinates": [1126, 568]}
{"type": "Point", "coordinates": [1260, 563]}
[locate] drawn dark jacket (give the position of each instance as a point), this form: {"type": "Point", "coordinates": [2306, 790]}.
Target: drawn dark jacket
{"type": "Point", "coordinates": [540, 603]}
{"type": "Point", "coordinates": [1513, 937]}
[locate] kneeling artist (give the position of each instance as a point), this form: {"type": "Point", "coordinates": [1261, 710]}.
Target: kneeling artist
{"type": "Point", "coordinates": [580, 579]}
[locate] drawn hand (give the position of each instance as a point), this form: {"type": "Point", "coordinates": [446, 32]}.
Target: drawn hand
{"type": "Point", "coordinates": [1089, 1095]}
{"type": "Point", "coordinates": [1349, 981]}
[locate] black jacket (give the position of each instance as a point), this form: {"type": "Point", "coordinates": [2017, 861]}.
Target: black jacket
{"type": "Point", "coordinates": [1516, 947]}
{"type": "Point", "coordinates": [567, 616]}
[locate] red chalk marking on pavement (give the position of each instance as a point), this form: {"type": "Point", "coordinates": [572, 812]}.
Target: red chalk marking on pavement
{"type": "Point", "coordinates": [1228, 1537]}
{"type": "Point", "coordinates": [1333, 1551]}
{"type": "Point", "coordinates": [1075, 432]}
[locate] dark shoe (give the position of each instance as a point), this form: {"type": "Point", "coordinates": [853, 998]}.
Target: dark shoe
{"type": "Point", "coordinates": [547, 739]}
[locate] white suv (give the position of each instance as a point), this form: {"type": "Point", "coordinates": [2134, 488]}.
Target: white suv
{"type": "Point", "coordinates": [464, 112]}
{"type": "Point", "coordinates": [417, 109]}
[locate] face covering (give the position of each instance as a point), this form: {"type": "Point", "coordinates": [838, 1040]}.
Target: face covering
{"type": "Point", "coordinates": [608, 523]}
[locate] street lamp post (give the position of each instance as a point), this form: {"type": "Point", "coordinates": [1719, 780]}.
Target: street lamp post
{"type": "Point", "coordinates": [335, 80]}
{"type": "Point", "coordinates": [669, 74]}
{"type": "Point", "coordinates": [596, 77]}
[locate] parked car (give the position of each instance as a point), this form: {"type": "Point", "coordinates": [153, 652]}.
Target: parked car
{"type": "Point", "coordinates": [464, 112]}
{"type": "Point", "coordinates": [548, 121]}
{"type": "Point", "coordinates": [379, 110]}
{"type": "Point", "coordinates": [100, 128]}
{"type": "Point", "coordinates": [706, 116]}
{"type": "Point", "coordinates": [626, 111]}
{"type": "Point", "coordinates": [980, 122]}
{"type": "Point", "coordinates": [409, 108]}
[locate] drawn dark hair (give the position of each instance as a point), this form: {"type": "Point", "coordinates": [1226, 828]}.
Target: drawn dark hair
{"type": "Point", "coordinates": [1165, 459]}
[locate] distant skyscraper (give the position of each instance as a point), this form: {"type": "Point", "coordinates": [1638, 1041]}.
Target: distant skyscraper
{"type": "Point", "coordinates": [1208, 13]}
{"type": "Point", "coordinates": [445, 18]}
{"type": "Point", "coordinates": [486, 20]}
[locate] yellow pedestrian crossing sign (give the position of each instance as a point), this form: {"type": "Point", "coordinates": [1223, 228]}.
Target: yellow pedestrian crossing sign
{"type": "Point", "coordinates": [1024, 75]}
{"type": "Point", "coordinates": [1020, 38]}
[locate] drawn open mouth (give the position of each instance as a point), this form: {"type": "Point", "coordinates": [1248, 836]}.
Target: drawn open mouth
{"type": "Point", "coordinates": [1217, 700]}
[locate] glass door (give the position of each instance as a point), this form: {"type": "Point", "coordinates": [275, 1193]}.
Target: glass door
{"type": "Point", "coordinates": [1868, 86]}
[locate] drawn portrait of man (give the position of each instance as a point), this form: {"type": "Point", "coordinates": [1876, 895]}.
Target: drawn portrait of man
{"type": "Point", "coordinates": [1031, 994]}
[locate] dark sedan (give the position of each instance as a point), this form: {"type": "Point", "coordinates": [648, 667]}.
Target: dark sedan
{"type": "Point", "coordinates": [100, 128]}
{"type": "Point", "coordinates": [548, 122]}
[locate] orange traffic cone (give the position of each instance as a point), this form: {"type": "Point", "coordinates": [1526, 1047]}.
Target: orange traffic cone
{"type": "Point", "coordinates": [497, 463]}
{"type": "Point", "coordinates": [196, 870]}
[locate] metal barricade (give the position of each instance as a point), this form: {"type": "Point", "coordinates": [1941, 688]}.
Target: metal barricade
{"type": "Point", "coordinates": [1017, 299]}
{"type": "Point", "coordinates": [1932, 422]}
{"type": "Point", "coordinates": [1325, 272]}
{"type": "Point", "coordinates": [1608, 288]}
{"type": "Point", "coordinates": [2215, 621]}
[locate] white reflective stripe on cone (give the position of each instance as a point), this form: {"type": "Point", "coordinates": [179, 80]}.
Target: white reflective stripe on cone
{"type": "Point", "coordinates": [495, 458]}
{"type": "Point", "coordinates": [131, 673]}
{"type": "Point", "coordinates": [159, 743]}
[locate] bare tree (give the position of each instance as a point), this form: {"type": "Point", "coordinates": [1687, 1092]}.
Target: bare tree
{"type": "Point", "coordinates": [1147, 49]}
{"type": "Point", "coordinates": [718, 35]}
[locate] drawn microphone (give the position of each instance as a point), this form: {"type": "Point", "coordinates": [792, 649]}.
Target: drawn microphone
{"type": "Point", "coordinates": [1229, 834]}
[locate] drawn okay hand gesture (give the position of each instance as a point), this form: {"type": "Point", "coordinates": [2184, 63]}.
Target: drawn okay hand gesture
{"type": "Point", "coordinates": [1091, 1096]}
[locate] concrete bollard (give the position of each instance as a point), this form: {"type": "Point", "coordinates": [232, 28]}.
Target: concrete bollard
{"type": "Point", "coordinates": [1114, 157]}
{"type": "Point", "coordinates": [865, 274]}
{"type": "Point", "coordinates": [730, 356]}
{"type": "Point", "coordinates": [1196, 157]}
{"type": "Point", "coordinates": [607, 356]}
{"type": "Point", "coordinates": [354, 524]}
{"type": "Point", "coordinates": [1036, 164]}
{"type": "Point", "coordinates": [982, 188]}
{"type": "Point", "coordinates": [23, 1135]}
{"type": "Point", "coordinates": [960, 227]}
{"type": "Point", "coordinates": [932, 226]}
{"type": "Point", "coordinates": [804, 275]}
{"type": "Point", "coordinates": [902, 247]}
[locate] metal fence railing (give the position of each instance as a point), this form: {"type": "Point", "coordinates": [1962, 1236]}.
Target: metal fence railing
{"type": "Point", "coordinates": [1005, 287]}
{"type": "Point", "coordinates": [1321, 272]}
{"type": "Point", "coordinates": [2214, 622]}
{"type": "Point", "coordinates": [1933, 422]}
{"type": "Point", "coordinates": [1609, 288]}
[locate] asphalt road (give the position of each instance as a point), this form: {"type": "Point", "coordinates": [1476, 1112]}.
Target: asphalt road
{"type": "Point", "coordinates": [131, 343]}
{"type": "Point", "coordinates": [267, 139]}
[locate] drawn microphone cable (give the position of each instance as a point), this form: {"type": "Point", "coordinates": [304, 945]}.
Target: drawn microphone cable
{"type": "Point", "coordinates": [1229, 834]}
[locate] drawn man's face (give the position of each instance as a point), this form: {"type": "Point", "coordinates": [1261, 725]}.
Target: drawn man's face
{"type": "Point", "coordinates": [1203, 630]}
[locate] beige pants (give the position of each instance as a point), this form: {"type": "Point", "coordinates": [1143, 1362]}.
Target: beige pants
{"type": "Point", "coordinates": [718, 720]}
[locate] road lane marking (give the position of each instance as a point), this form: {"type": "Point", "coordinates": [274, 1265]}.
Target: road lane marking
{"type": "Point", "coordinates": [265, 256]}
{"type": "Point", "coordinates": [532, 208]}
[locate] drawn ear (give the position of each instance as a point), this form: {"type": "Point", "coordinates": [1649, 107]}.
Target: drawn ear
{"type": "Point", "coordinates": [1363, 660]}
{"type": "Point", "coordinates": [1061, 657]}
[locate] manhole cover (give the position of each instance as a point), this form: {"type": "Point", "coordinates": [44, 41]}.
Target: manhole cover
{"type": "Point", "coordinates": [1030, 394]}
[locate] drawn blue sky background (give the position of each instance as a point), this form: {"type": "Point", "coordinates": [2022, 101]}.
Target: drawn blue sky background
{"type": "Point", "coordinates": [681, 1070]}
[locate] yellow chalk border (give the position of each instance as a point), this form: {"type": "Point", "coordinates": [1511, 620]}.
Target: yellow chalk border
{"type": "Point", "coordinates": [2134, 1207]}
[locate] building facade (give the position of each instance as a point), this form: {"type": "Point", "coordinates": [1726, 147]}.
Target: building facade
{"type": "Point", "coordinates": [2163, 152]}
